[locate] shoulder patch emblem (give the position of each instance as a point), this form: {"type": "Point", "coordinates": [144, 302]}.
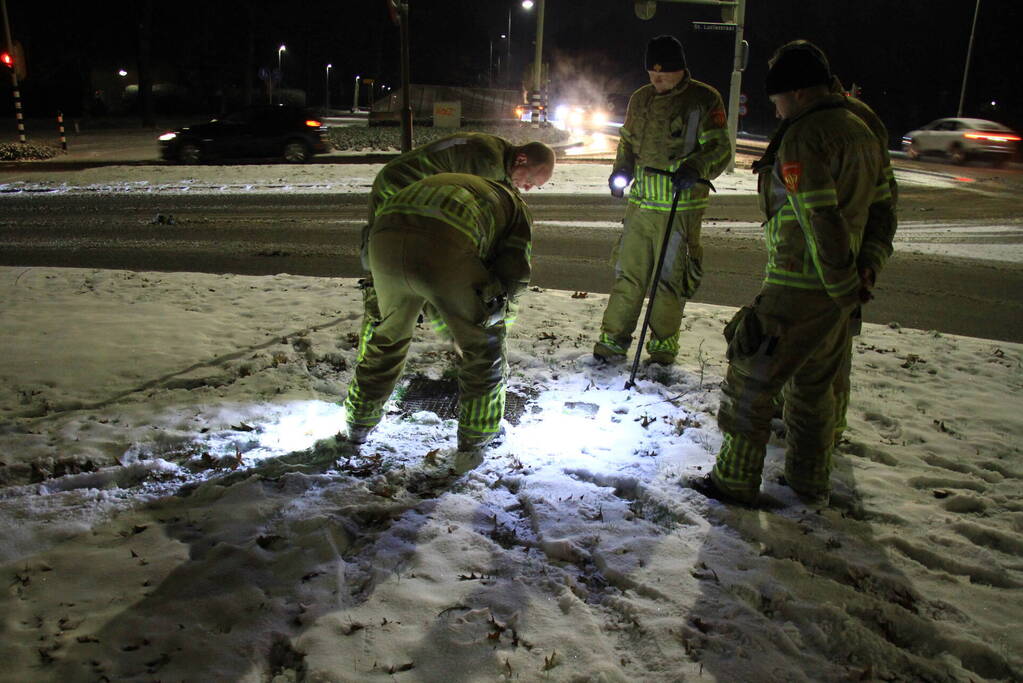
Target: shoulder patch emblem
{"type": "Point", "coordinates": [790, 173]}
{"type": "Point", "coordinates": [718, 117]}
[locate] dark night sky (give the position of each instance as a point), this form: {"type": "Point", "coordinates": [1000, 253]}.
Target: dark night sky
{"type": "Point", "coordinates": [908, 56]}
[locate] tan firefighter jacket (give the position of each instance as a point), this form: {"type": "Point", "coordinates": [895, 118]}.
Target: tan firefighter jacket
{"type": "Point", "coordinates": [487, 156]}
{"type": "Point", "coordinates": [882, 224]}
{"type": "Point", "coordinates": [825, 182]}
{"type": "Point", "coordinates": [687, 125]}
{"type": "Point", "coordinates": [487, 216]}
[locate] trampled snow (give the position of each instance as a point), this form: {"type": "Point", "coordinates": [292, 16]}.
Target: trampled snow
{"type": "Point", "coordinates": [176, 506]}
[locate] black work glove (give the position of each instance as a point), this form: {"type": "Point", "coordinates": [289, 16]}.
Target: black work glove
{"type": "Point", "coordinates": [496, 309]}
{"type": "Point", "coordinates": [684, 177]}
{"type": "Point", "coordinates": [867, 279]}
{"type": "Point", "coordinates": [621, 174]}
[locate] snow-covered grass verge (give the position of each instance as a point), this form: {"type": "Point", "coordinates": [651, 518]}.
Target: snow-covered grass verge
{"type": "Point", "coordinates": [176, 506]}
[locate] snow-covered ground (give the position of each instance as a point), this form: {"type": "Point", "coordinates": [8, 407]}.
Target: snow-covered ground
{"type": "Point", "coordinates": [175, 507]}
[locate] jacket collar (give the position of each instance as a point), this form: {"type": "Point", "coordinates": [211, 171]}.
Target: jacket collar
{"type": "Point", "coordinates": [830, 101]}
{"type": "Point", "coordinates": [682, 85]}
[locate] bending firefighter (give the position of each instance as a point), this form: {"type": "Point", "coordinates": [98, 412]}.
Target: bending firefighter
{"type": "Point", "coordinates": [461, 244]}
{"type": "Point", "coordinates": [675, 124]}
{"type": "Point", "coordinates": [826, 185]}
{"type": "Point", "coordinates": [488, 156]}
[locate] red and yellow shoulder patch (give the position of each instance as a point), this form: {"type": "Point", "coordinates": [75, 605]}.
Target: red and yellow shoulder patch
{"type": "Point", "coordinates": [790, 173]}
{"type": "Point", "coordinates": [718, 117]}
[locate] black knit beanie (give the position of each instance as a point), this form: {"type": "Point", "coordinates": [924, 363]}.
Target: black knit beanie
{"type": "Point", "coordinates": [795, 69]}
{"type": "Point", "coordinates": [664, 53]}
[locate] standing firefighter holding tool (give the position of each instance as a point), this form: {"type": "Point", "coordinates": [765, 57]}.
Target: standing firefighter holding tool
{"type": "Point", "coordinates": [461, 244]}
{"type": "Point", "coordinates": [674, 135]}
{"type": "Point", "coordinates": [823, 196]}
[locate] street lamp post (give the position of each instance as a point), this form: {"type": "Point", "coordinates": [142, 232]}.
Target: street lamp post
{"type": "Point", "coordinates": [507, 65]}
{"type": "Point", "coordinates": [969, 54]}
{"type": "Point", "coordinates": [326, 98]}
{"type": "Point", "coordinates": [280, 66]}
{"type": "Point", "coordinates": [355, 99]}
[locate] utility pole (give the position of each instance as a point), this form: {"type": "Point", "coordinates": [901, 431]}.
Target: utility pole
{"type": "Point", "coordinates": [406, 105]}
{"type": "Point", "coordinates": [537, 96]}
{"type": "Point", "coordinates": [14, 74]}
{"type": "Point", "coordinates": [966, 69]}
{"type": "Point", "coordinates": [507, 65]}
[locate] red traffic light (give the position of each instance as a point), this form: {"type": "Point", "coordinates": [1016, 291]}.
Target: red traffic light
{"type": "Point", "coordinates": [7, 59]}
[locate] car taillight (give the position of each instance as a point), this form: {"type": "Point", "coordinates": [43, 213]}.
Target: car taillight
{"type": "Point", "coordinates": [992, 138]}
{"type": "Point", "coordinates": [313, 123]}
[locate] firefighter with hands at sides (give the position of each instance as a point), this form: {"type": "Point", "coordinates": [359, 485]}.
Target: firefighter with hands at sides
{"type": "Point", "coordinates": [880, 229]}
{"type": "Point", "coordinates": [488, 156]}
{"type": "Point", "coordinates": [462, 244]}
{"type": "Point", "coordinates": [674, 124]}
{"type": "Point", "coordinates": [825, 196]}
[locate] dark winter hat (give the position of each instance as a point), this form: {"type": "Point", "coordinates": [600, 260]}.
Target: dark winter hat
{"type": "Point", "coordinates": [797, 68]}
{"type": "Point", "coordinates": [664, 53]}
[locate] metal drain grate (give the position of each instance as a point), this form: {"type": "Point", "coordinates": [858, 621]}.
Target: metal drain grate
{"type": "Point", "coordinates": [440, 396]}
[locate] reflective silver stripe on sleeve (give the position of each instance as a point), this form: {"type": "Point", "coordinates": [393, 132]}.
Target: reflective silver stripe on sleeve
{"type": "Point", "coordinates": [692, 130]}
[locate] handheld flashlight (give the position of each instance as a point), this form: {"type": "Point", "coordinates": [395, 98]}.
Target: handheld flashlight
{"type": "Point", "coordinates": [618, 183]}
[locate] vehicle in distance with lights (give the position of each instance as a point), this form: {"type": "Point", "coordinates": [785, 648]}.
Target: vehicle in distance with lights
{"type": "Point", "coordinates": [292, 134]}
{"type": "Point", "coordinates": [961, 140]}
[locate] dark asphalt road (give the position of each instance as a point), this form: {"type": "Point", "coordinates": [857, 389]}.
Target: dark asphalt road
{"type": "Point", "coordinates": [318, 235]}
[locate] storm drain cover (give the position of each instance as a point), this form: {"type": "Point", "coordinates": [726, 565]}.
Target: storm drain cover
{"type": "Point", "coordinates": [440, 396]}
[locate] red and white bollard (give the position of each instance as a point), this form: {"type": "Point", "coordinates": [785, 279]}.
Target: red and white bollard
{"type": "Point", "coordinates": [60, 129]}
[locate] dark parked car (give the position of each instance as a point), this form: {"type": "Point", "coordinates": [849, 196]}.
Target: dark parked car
{"type": "Point", "coordinates": [962, 139]}
{"type": "Point", "coordinates": [293, 134]}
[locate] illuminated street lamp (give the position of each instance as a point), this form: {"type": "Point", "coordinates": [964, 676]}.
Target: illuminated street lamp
{"type": "Point", "coordinates": [326, 99]}
{"type": "Point", "coordinates": [355, 99]}
{"type": "Point", "coordinates": [122, 73]}
{"type": "Point", "coordinates": [527, 4]}
{"type": "Point", "coordinates": [280, 71]}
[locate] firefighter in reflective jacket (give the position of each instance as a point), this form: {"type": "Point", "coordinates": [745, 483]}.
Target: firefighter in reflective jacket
{"type": "Point", "coordinates": [488, 156]}
{"type": "Point", "coordinates": [818, 196]}
{"type": "Point", "coordinates": [674, 124]}
{"type": "Point", "coordinates": [462, 244]}
{"type": "Point", "coordinates": [878, 233]}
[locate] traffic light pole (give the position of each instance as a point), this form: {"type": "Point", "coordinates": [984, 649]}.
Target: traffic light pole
{"type": "Point", "coordinates": [14, 74]}
{"type": "Point", "coordinates": [735, 89]}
